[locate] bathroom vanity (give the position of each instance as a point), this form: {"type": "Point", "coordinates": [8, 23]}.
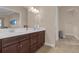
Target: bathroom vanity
{"type": "Point", "coordinates": [24, 41]}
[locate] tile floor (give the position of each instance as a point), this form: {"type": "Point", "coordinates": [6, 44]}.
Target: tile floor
{"type": "Point", "coordinates": [67, 45]}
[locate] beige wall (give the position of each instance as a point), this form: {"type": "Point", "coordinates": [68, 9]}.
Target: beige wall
{"type": "Point", "coordinates": [23, 14]}
{"type": "Point", "coordinates": [9, 17]}
{"type": "Point", "coordinates": [48, 20]}
{"type": "Point", "coordinates": [69, 20]}
{"type": "Point", "coordinates": [33, 19]}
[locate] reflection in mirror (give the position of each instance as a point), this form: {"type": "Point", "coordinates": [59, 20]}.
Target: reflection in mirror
{"type": "Point", "coordinates": [13, 21]}
{"type": "Point", "coordinates": [8, 18]}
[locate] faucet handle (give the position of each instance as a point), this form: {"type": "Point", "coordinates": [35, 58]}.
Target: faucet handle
{"type": "Point", "coordinates": [25, 26]}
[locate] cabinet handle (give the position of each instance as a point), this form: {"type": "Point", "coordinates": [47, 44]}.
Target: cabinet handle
{"type": "Point", "coordinates": [21, 46]}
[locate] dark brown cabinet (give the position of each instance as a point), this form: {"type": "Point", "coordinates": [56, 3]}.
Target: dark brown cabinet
{"type": "Point", "coordinates": [23, 43]}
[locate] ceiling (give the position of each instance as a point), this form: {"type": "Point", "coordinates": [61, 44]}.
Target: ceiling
{"type": "Point", "coordinates": [4, 12]}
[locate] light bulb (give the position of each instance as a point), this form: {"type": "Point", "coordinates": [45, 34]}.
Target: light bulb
{"type": "Point", "coordinates": [34, 10]}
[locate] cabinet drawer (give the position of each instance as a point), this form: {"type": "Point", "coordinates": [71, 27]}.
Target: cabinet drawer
{"type": "Point", "coordinates": [34, 34]}
{"type": "Point", "coordinates": [9, 41]}
{"type": "Point", "coordinates": [10, 49]}
{"type": "Point", "coordinates": [23, 37]}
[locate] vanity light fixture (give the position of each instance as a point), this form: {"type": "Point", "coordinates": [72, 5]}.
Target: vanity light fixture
{"type": "Point", "coordinates": [34, 10]}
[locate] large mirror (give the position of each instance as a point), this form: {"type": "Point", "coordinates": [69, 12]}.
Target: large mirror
{"type": "Point", "coordinates": [8, 18]}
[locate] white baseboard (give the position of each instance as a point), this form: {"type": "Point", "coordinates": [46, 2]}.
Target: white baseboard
{"type": "Point", "coordinates": [51, 45]}
{"type": "Point", "coordinates": [74, 36]}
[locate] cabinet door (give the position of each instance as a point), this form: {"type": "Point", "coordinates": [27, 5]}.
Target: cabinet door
{"type": "Point", "coordinates": [0, 46]}
{"type": "Point", "coordinates": [33, 41]}
{"type": "Point", "coordinates": [10, 49]}
{"type": "Point", "coordinates": [24, 46]}
{"type": "Point", "coordinates": [0, 49]}
{"type": "Point", "coordinates": [41, 39]}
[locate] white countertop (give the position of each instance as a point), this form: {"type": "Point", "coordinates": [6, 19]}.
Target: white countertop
{"type": "Point", "coordinates": [5, 33]}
